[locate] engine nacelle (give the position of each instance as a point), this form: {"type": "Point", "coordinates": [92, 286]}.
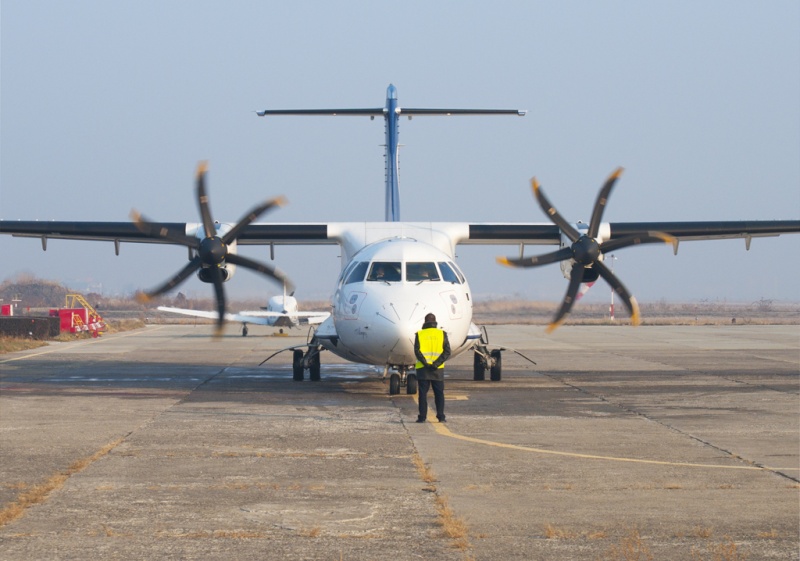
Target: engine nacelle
{"type": "Point", "coordinates": [204, 274]}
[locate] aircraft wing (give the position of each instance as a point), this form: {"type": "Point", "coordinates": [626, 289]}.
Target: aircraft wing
{"type": "Point", "coordinates": [550, 234]}
{"type": "Point", "coordinates": [328, 234]}
{"type": "Point", "coordinates": [213, 315]}
{"type": "Point", "coordinates": [128, 232]}
{"type": "Point", "coordinates": [302, 317]}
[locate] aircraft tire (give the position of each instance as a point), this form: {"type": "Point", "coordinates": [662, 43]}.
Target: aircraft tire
{"type": "Point", "coordinates": [411, 384]}
{"type": "Point", "coordinates": [244, 331]}
{"type": "Point", "coordinates": [394, 384]}
{"type": "Point", "coordinates": [314, 368]}
{"type": "Point", "coordinates": [496, 371]}
{"type": "Point", "coordinates": [478, 368]}
{"type": "Point", "coordinates": [297, 365]}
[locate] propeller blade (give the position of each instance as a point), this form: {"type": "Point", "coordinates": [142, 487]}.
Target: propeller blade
{"type": "Point", "coordinates": [575, 279]}
{"type": "Point", "coordinates": [264, 269]}
{"type": "Point", "coordinates": [622, 292]}
{"type": "Point", "coordinates": [536, 260]}
{"type": "Point", "coordinates": [248, 218]}
{"type": "Point", "coordinates": [551, 211]}
{"type": "Point", "coordinates": [600, 204]}
{"type": "Point", "coordinates": [636, 239]}
{"type": "Point", "coordinates": [202, 201]}
{"type": "Point", "coordinates": [219, 291]}
{"type": "Point", "coordinates": [149, 228]}
{"type": "Point", "coordinates": [182, 275]}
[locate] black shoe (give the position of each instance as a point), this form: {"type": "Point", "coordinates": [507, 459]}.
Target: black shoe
{"type": "Point", "coordinates": [442, 420]}
{"type": "Point", "coordinates": [420, 420]}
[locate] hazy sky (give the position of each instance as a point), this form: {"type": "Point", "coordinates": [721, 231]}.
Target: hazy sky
{"type": "Point", "coordinates": [107, 106]}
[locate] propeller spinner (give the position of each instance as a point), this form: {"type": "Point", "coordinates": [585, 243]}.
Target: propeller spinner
{"type": "Point", "coordinates": [212, 251]}
{"type": "Point", "coordinates": [586, 252]}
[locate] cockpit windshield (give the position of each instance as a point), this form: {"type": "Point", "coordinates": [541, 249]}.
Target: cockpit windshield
{"type": "Point", "coordinates": [387, 271]}
{"type": "Point", "coordinates": [357, 272]}
{"type": "Point", "coordinates": [448, 274]}
{"type": "Point", "coordinates": [421, 271]}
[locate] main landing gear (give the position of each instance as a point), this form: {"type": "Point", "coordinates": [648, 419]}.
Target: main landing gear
{"type": "Point", "coordinates": [485, 359]}
{"type": "Point", "coordinates": [309, 360]}
{"type": "Point", "coordinates": [402, 378]}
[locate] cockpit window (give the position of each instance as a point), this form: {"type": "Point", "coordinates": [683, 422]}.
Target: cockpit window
{"type": "Point", "coordinates": [448, 274]}
{"type": "Point", "coordinates": [358, 272]}
{"type": "Point", "coordinates": [420, 271]}
{"type": "Point", "coordinates": [387, 271]}
{"type": "Point", "coordinates": [458, 272]}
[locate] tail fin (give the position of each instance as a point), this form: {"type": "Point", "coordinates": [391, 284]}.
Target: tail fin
{"type": "Point", "coordinates": [391, 113]}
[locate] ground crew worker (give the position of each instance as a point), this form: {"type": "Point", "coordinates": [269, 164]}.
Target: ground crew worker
{"type": "Point", "coordinates": [431, 348]}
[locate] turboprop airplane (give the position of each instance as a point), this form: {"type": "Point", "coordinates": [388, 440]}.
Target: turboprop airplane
{"type": "Point", "coordinates": [280, 311]}
{"type": "Point", "coordinates": [393, 272]}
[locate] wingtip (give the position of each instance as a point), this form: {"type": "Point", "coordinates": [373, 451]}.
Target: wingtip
{"type": "Point", "coordinates": [202, 167]}
{"type": "Point", "coordinates": [617, 172]}
{"type": "Point", "coordinates": [504, 261]}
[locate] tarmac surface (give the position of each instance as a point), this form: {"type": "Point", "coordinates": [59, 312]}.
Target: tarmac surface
{"type": "Point", "coordinates": [621, 443]}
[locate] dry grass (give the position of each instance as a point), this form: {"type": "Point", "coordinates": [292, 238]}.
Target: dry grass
{"type": "Point", "coordinates": [424, 470]}
{"type": "Point", "coordinates": [653, 313]}
{"type": "Point", "coordinates": [39, 493]}
{"type": "Point", "coordinates": [630, 548]}
{"type": "Point", "coordinates": [14, 344]}
{"type": "Point", "coordinates": [772, 534]}
{"type": "Point", "coordinates": [453, 527]}
{"type": "Point", "coordinates": [314, 532]}
{"type": "Point", "coordinates": [555, 533]}
{"type": "Point", "coordinates": [701, 532]}
{"type": "Point", "coordinates": [723, 551]}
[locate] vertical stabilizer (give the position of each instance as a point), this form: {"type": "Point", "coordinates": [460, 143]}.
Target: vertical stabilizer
{"type": "Point", "coordinates": [391, 113]}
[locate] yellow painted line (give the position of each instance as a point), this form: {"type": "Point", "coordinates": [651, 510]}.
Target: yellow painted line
{"type": "Point", "coordinates": [75, 345]}
{"type": "Point", "coordinates": [442, 429]}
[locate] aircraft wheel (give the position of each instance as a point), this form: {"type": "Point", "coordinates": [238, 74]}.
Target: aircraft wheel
{"type": "Point", "coordinates": [411, 384]}
{"type": "Point", "coordinates": [394, 384]}
{"type": "Point", "coordinates": [496, 370]}
{"type": "Point", "coordinates": [297, 365]}
{"type": "Point", "coordinates": [314, 367]}
{"type": "Point", "coordinates": [478, 368]}
{"type": "Point", "coordinates": [244, 331]}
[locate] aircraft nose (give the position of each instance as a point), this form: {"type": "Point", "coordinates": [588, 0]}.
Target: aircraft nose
{"type": "Point", "coordinates": [395, 329]}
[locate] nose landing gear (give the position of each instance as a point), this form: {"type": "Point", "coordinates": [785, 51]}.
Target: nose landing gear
{"type": "Point", "coordinates": [310, 360]}
{"type": "Point", "coordinates": [402, 378]}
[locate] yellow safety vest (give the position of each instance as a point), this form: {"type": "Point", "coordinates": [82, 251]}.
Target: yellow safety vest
{"type": "Point", "coordinates": [431, 344]}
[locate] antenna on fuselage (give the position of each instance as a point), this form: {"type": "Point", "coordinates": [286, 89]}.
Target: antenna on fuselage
{"type": "Point", "coordinates": [391, 113]}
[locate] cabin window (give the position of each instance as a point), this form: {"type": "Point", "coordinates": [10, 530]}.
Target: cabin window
{"type": "Point", "coordinates": [421, 271]}
{"type": "Point", "coordinates": [448, 274]}
{"type": "Point", "coordinates": [387, 271]}
{"type": "Point", "coordinates": [358, 272]}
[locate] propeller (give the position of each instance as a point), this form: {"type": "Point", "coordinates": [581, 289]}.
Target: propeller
{"type": "Point", "coordinates": [211, 251]}
{"type": "Point", "coordinates": [587, 252]}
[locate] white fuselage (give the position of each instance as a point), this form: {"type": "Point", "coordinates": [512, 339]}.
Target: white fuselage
{"type": "Point", "coordinates": [383, 295]}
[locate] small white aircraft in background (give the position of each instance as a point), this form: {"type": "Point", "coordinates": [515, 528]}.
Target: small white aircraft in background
{"type": "Point", "coordinates": [394, 273]}
{"type": "Point", "coordinates": [280, 311]}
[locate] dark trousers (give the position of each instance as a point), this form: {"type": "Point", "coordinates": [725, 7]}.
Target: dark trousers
{"type": "Point", "coordinates": [438, 397]}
